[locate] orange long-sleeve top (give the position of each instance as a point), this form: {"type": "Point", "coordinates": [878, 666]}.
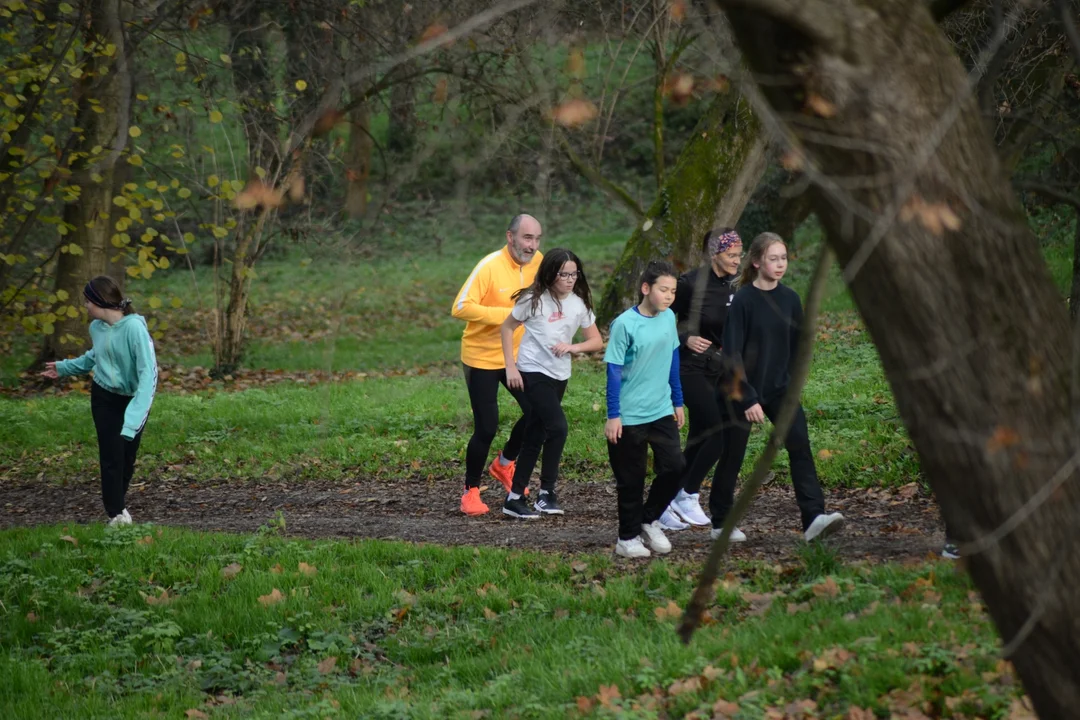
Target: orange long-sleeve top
{"type": "Point", "coordinates": [484, 303]}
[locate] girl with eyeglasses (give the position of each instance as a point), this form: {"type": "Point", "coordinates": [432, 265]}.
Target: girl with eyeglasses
{"type": "Point", "coordinates": [552, 309]}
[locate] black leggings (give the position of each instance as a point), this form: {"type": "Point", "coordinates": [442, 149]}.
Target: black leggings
{"type": "Point", "coordinates": [483, 388]}
{"type": "Point", "coordinates": [116, 455]}
{"type": "Point", "coordinates": [705, 438]}
{"type": "Point", "coordinates": [547, 429]}
{"type": "Point", "coordinates": [800, 458]}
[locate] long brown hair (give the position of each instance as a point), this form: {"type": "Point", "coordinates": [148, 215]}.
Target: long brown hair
{"type": "Point", "coordinates": [548, 274]}
{"type": "Point", "coordinates": [108, 290]}
{"type": "Point", "coordinates": [756, 253]}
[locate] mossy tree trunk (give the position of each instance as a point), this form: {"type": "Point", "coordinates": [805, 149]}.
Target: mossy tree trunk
{"type": "Point", "coordinates": [971, 330]}
{"type": "Point", "coordinates": [712, 181]}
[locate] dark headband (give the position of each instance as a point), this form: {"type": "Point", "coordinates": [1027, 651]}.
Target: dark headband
{"type": "Point", "coordinates": [93, 296]}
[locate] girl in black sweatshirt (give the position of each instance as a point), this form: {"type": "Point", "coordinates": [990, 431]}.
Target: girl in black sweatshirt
{"type": "Point", "coordinates": [761, 335]}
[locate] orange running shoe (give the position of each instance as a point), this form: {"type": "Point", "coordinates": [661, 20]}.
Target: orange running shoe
{"type": "Point", "coordinates": [504, 473]}
{"type": "Point", "coordinates": [471, 504]}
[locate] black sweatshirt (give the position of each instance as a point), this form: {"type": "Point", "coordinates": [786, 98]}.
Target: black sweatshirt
{"type": "Point", "coordinates": [761, 336]}
{"type": "Point", "coordinates": [710, 305]}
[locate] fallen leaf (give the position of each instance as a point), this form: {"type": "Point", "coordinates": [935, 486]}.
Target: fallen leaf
{"type": "Point", "coordinates": [607, 694]}
{"type": "Point", "coordinates": [277, 569]}
{"type": "Point", "coordinates": [792, 161]}
{"type": "Point", "coordinates": [794, 608]}
{"type": "Point", "coordinates": [723, 709]}
{"type": "Point", "coordinates": [490, 614]}
{"type": "Point", "coordinates": [1021, 709]}
{"type": "Point", "coordinates": [194, 713]}
{"type": "Point", "coordinates": [574, 113]}
{"type": "Point", "coordinates": [271, 598]}
{"type": "Point", "coordinates": [827, 587]}
{"type": "Point", "coordinates": [579, 567]}
{"type": "Point", "coordinates": [405, 597]}
{"type": "Point", "coordinates": [327, 665]}
{"type": "Point", "coordinates": [759, 603]}
{"type": "Point", "coordinates": [162, 599]}
{"type": "Point", "coordinates": [671, 610]}
{"type": "Point", "coordinates": [710, 673]}
{"type": "Point", "coordinates": [824, 454]}
{"type": "Point", "coordinates": [820, 106]}
{"type": "Point", "coordinates": [194, 665]}
{"type": "Point", "coordinates": [31, 617]}
{"type": "Point", "coordinates": [279, 678]}
{"type": "Point", "coordinates": [68, 538]}
{"type": "Point", "coordinates": [144, 540]}
{"type": "Point", "coordinates": [305, 569]}
{"type": "Point", "coordinates": [584, 704]}
{"type": "Point", "coordinates": [231, 570]}
{"type": "Point", "coordinates": [681, 687]}
{"type": "Point", "coordinates": [857, 713]}
{"type": "Point", "coordinates": [833, 657]}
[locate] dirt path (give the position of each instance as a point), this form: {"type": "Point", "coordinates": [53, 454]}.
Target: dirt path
{"type": "Point", "coordinates": [882, 525]}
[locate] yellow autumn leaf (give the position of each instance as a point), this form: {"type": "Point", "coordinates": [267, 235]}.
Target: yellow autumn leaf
{"type": "Point", "coordinates": [301, 85]}
{"type": "Point", "coordinates": [216, 116]}
{"type": "Point", "coordinates": [134, 131]}
{"type": "Point", "coordinates": [213, 181]}
{"type": "Point", "coordinates": [155, 302]}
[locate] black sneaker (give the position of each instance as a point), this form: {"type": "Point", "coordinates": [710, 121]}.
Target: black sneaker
{"type": "Point", "coordinates": [519, 509]}
{"type": "Point", "coordinates": [548, 504]}
{"type": "Point", "coordinates": [951, 551]}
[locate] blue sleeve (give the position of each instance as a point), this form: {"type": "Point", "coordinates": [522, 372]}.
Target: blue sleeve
{"type": "Point", "coordinates": [76, 366]}
{"type": "Point", "coordinates": [614, 386]}
{"type": "Point", "coordinates": [674, 381]}
{"type": "Point", "coordinates": [146, 368]}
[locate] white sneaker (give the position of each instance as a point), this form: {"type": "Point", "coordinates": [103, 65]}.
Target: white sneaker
{"type": "Point", "coordinates": [737, 535]}
{"type": "Point", "coordinates": [687, 507]}
{"type": "Point", "coordinates": [127, 516]}
{"type": "Point", "coordinates": [654, 535]}
{"type": "Point", "coordinates": [824, 526]}
{"type": "Point", "coordinates": [121, 519]}
{"type": "Point", "coordinates": [671, 521]}
{"type": "Point", "coordinates": [631, 548]}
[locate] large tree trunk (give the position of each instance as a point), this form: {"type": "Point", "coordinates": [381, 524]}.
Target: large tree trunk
{"type": "Point", "coordinates": [710, 185]}
{"type": "Point", "coordinates": [358, 161]}
{"type": "Point", "coordinates": [971, 331]}
{"type": "Point", "coordinates": [108, 83]}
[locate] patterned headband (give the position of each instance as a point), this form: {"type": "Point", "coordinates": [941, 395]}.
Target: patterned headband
{"type": "Point", "coordinates": [720, 243]}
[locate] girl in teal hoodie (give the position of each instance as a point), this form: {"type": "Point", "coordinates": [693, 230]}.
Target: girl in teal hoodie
{"type": "Point", "coordinates": [125, 378]}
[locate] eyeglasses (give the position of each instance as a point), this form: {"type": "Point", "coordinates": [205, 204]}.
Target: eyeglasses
{"type": "Point", "coordinates": [568, 276]}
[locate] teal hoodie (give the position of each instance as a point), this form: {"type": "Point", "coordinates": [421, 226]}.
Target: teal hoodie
{"type": "Point", "coordinates": [123, 362]}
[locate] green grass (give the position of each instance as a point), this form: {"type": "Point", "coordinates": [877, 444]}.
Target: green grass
{"type": "Point", "coordinates": [140, 621]}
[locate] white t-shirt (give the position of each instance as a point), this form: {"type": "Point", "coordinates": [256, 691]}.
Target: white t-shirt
{"type": "Point", "coordinates": [547, 328]}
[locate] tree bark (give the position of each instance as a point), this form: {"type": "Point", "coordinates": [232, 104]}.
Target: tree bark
{"type": "Point", "coordinates": [710, 185]}
{"type": "Point", "coordinates": [358, 161]}
{"type": "Point", "coordinates": [107, 81]}
{"type": "Point", "coordinates": [254, 85]}
{"type": "Point", "coordinates": [970, 329]}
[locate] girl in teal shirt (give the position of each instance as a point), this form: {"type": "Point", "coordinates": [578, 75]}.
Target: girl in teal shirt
{"type": "Point", "coordinates": [125, 378]}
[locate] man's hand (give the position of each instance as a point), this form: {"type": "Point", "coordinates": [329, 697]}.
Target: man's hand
{"type": "Point", "coordinates": [613, 430]}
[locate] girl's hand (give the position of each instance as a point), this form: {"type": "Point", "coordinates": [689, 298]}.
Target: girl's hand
{"type": "Point", "coordinates": [613, 430]}
{"type": "Point", "coordinates": [513, 379]}
{"type": "Point", "coordinates": [50, 371]}
{"type": "Point", "coordinates": [697, 344]}
{"type": "Point", "coordinates": [562, 348]}
{"type": "Point", "coordinates": [680, 417]}
{"type": "Point", "coordinates": [755, 414]}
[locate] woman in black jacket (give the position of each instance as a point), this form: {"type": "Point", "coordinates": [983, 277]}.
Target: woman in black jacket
{"type": "Point", "coordinates": [701, 304]}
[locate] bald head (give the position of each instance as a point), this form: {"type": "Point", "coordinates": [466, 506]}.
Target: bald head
{"type": "Point", "coordinates": [523, 238]}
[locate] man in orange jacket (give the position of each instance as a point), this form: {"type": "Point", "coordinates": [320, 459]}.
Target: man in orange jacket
{"type": "Point", "coordinates": [484, 302]}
